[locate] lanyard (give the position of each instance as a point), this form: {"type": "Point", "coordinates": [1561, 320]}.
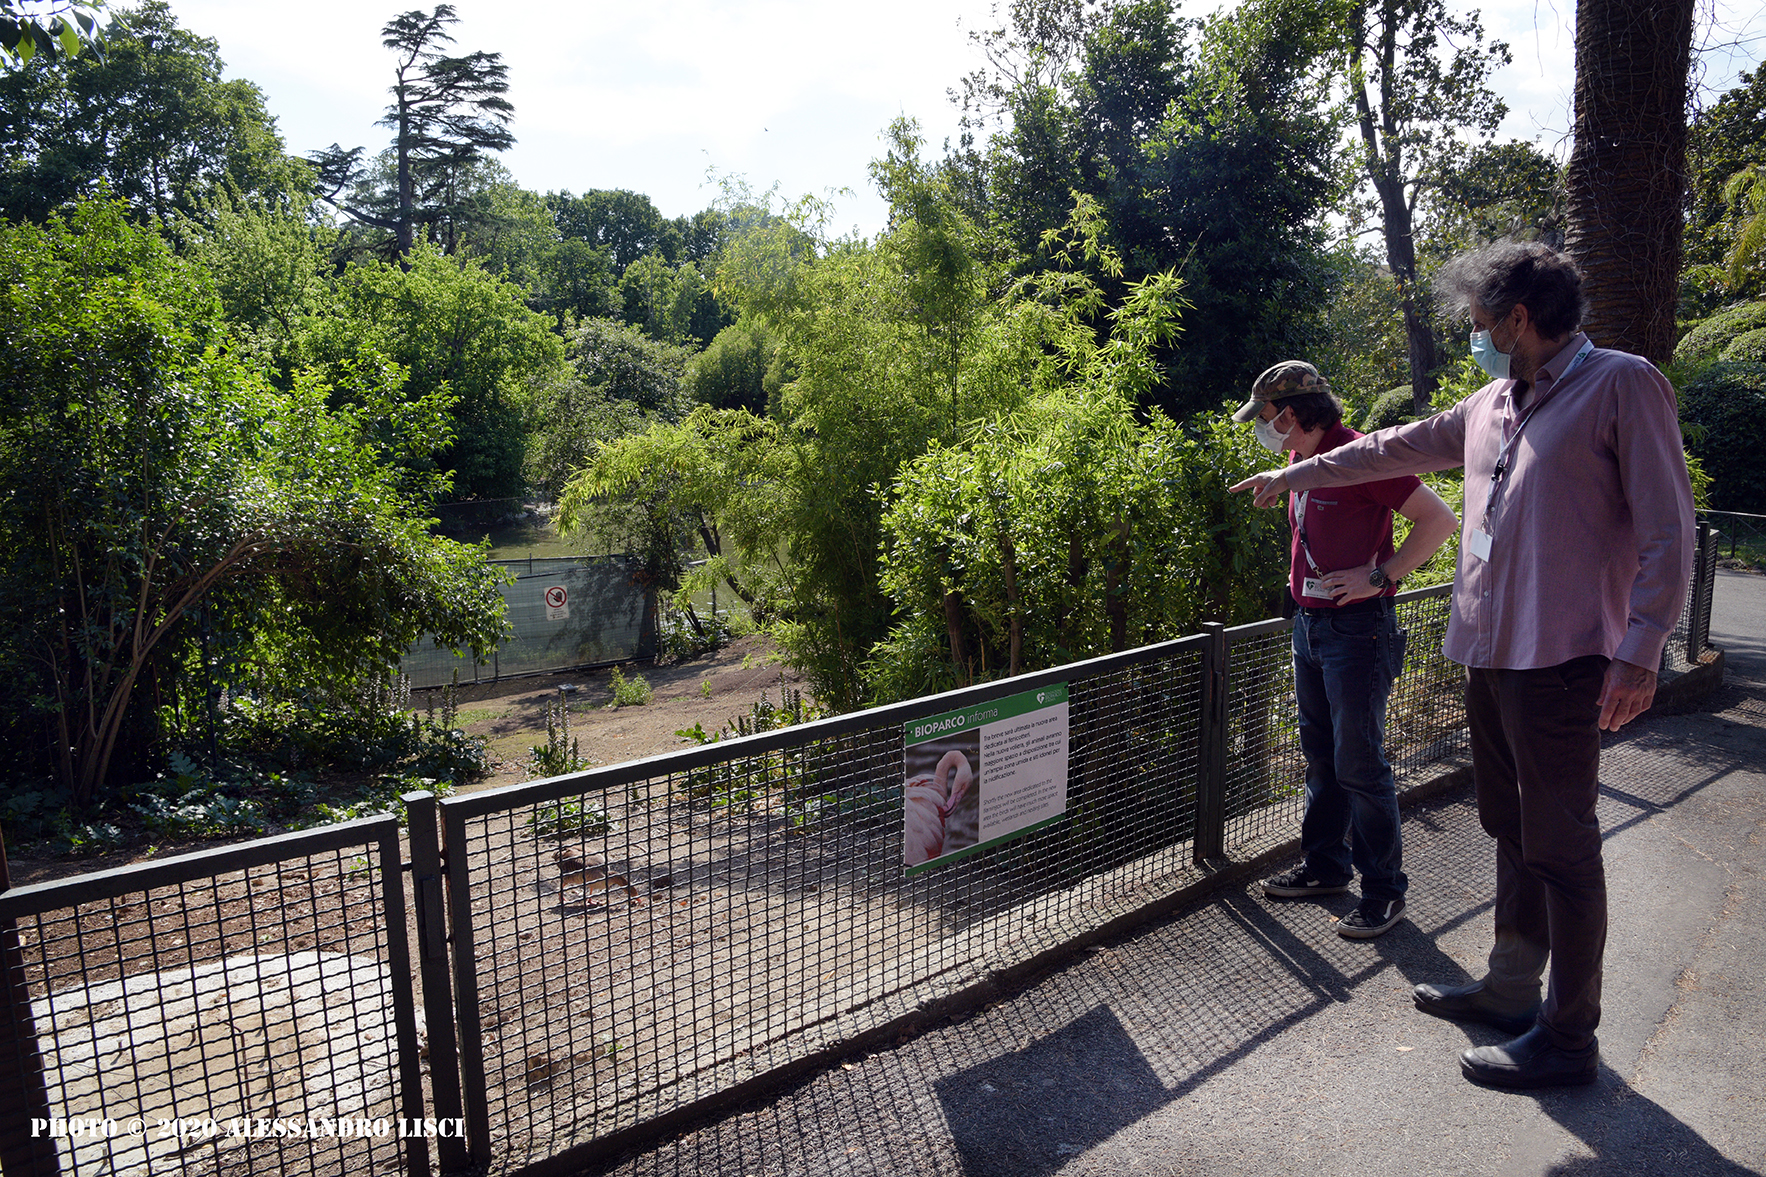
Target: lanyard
{"type": "Point", "coordinates": [1300, 530]}
{"type": "Point", "coordinates": [1300, 498]}
{"type": "Point", "coordinates": [1502, 456]}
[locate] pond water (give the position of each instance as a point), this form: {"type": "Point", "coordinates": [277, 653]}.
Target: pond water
{"type": "Point", "coordinates": [535, 536]}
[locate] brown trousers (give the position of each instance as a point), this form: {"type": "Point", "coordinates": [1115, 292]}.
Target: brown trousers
{"type": "Point", "coordinates": [1535, 761]}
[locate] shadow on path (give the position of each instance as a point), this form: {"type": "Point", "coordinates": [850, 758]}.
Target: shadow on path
{"type": "Point", "coordinates": [1172, 1050]}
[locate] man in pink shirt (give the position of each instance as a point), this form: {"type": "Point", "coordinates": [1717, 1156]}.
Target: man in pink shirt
{"type": "Point", "coordinates": [1574, 557]}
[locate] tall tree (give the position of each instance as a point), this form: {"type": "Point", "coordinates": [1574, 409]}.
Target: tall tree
{"type": "Point", "coordinates": [152, 119]}
{"type": "Point", "coordinates": [1627, 170]}
{"type": "Point", "coordinates": [623, 223]}
{"type": "Point", "coordinates": [1209, 156]}
{"type": "Point", "coordinates": [445, 114]}
{"type": "Point", "coordinates": [146, 468]}
{"type": "Point", "coordinates": [1416, 76]}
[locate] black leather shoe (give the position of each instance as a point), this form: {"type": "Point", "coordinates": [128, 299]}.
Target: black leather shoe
{"type": "Point", "coordinates": [1530, 1061]}
{"type": "Point", "coordinates": [1473, 1003]}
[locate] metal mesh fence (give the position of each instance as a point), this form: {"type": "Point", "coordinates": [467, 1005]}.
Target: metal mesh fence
{"type": "Point", "coordinates": [238, 1011]}
{"type": "Point", "coordinates": [1425, 715]}
{"type": "Point", "coordinates": [1743, 535]}
{"type": "Point", "coordinates": [635, 939]}
{"type": "Point", "coordinates": [646, 936]}
{"type": "Point", "coordinates": [1265, 774]}
{"type": "Point", "coordinates": [562, 613]}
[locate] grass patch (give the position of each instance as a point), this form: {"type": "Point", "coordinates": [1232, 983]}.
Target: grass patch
{"type": "Point", "coordinates": [474, 715]}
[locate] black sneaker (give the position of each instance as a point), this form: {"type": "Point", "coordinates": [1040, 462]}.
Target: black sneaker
{"type": "Point", "coordinates": [1371, 917]}
{"type": "Point", "coordinates": [1298, 883]}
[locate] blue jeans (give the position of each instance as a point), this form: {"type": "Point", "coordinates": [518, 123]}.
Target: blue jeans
{"type": "Point", "coordinates": [1344, 664]}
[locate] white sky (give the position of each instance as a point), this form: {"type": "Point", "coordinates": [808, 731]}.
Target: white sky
{"type": "Point", "coordinates": [649, 96]}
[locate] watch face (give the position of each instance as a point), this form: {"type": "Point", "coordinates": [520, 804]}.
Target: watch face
{"type": "Point", "coordinates": [1377, 577]}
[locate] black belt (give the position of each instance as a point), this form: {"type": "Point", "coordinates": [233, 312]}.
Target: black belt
{"type": "Point", "coordinates": [1360, 606]}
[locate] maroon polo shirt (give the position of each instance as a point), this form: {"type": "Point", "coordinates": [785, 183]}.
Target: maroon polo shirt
{"type": "Point", "coordinates": [1346, 526]}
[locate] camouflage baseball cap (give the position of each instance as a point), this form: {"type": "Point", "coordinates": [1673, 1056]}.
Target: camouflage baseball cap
{"type": "Point", "coordinates": [1288, 378]}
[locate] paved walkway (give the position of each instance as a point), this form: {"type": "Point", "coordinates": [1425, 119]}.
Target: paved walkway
{"type": "Point", "coordinates": [1245, 1037]}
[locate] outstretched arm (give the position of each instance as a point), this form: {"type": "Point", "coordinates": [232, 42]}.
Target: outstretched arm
{"type": "Point", "coordinates": [1270, 486]}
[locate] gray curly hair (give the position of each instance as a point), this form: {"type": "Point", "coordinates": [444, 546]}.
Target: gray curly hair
{"type": "Point", "coordinates": [1500, 276]}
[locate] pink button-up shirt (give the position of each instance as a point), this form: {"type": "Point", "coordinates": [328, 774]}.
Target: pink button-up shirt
{"type": "Point", "coordinates": [1591, 530]}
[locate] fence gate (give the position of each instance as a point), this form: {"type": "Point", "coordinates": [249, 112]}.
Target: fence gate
{"type": "Point", "coordinates": [236, 1011]}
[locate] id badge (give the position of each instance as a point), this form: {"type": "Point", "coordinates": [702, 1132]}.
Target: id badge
{"type": "Point", "coordinates": [1480, 542]}
{"type": "Point", "coordinates": [1313, 587]}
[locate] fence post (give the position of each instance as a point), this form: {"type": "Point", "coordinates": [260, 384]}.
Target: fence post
{"type": "Point", "coordinates": [1698, 630]}
{"type": "Point", "coordinates": [436, 977]}
{"type": "Point", "coordinates": [21, 1061]}
{"type": "Point", "coordinates": [1211, 773]}
{"type": "Point", "coordinates": [395, 905]}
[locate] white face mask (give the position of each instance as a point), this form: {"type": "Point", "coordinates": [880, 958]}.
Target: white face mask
{"type": "Point", "coordinates": [1272, 441]}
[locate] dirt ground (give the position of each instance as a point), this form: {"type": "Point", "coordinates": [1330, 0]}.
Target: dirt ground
{"type": "Point", "coordinates": [708, 690]}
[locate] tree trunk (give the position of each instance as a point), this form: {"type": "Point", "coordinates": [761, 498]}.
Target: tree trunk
{"type": "Point", "coordinates": [1009, 570]}
{"type": "Point", "coordinates": [1116, 586]}
{"type": "Point", "coordinates": [405, 235]}
{"type": "Point", "coordinates": [1627, 171]}
{"type": "Point", "coordinates": [953, 627]}
{"type": "Point", "coordinates": [1384, 163]}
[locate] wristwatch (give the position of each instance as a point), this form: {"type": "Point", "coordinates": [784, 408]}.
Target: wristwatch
{"type": "Point", "coordinates": [1377, 578]}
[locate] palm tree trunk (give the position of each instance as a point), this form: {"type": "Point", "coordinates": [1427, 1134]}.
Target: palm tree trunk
{"type": "Point", "coordinates": [1627, 172]}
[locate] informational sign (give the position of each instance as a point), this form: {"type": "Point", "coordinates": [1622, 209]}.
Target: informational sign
{"type": "Point", "coordinates": [557, 603]}
{"type": "Point", "coordinates": [984, 775]}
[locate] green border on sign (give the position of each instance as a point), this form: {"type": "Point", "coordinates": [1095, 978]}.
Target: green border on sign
{"type": "Point", "coordinates": [932, 727]}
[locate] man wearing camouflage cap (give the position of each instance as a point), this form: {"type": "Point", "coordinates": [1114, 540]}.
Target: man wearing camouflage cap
{"type": "Point", "coordinates": [1343, 572]}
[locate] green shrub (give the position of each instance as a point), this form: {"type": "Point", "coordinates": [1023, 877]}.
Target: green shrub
{"type": "Point", "coordinates": [1393, 407]}
{"type": "Point", "coordinates": [629, 692]}
{"type": "Point", "coordinates": [561, 818]}
{"type": "Point", "coordinates": [1708, 339]}
{"type": "Point", "coordinates": [1726, 406]}
{"type": "Point", "coordinates": [681, 636]}
{"type": "Point", "coordinates": [1747, 348]}
{"type": "Point", "coordinates": [366, 729]}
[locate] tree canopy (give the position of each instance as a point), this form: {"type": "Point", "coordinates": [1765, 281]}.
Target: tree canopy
{"type": "Point", "coordinates": [454, 328]}
{"type": "Point", "coordinates": [151, 120]}
{"type": "Point", "coordinates": [149, 475]}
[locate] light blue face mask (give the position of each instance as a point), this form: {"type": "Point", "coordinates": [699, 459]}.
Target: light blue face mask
{"type": "Point", "coordinates": [1487, 357]}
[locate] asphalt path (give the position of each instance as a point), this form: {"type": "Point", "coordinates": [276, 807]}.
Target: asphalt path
{"type": "Point", "coordinates": [1243, 1036]}
{"type": "Point", "coordinates": [1738, 622]}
